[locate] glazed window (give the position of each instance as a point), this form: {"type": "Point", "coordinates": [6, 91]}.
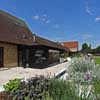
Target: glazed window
{"type": "Point", "coordinates": [21, 36]}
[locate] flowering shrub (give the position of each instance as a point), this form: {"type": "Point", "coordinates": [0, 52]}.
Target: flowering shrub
{"type": "Point", "coordinates": [85, 74]}
{"type": "Point", "coordinates": [40, 88]}
{"type": "Point", "coordinates": [81, 65]}
{"type": "Point", "coordinates": [81, 70]}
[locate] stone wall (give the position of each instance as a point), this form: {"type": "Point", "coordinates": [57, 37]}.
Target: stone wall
{"type": "Point", "coordinates": [10, 58]}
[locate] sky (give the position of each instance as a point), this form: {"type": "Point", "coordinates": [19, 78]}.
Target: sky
{"type": "Point", "coordinates": [59, 20]}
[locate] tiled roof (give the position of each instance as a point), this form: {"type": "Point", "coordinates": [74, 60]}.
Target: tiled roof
{"type": "Point", "coordinates": [71, 44]}
{"type": "Point", "coordinates": [14, 30]}
{"type": "Point", "coordinates": [13, 18]}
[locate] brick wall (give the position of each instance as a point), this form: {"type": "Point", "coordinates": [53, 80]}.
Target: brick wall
{"type": "Point", "coordinates": [10, 55]}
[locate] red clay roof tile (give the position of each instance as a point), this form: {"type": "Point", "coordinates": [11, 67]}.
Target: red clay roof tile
{"type": "Point", "coordinates": [71, 44]}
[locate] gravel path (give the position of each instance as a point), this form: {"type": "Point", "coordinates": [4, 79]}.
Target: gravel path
{"type": "Point", "coordinates": [20, 72]}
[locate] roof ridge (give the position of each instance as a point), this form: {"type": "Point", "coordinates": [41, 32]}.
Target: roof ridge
{"type": "Point", "coordinates": [69, 41]}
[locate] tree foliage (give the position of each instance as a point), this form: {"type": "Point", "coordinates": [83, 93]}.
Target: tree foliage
{"type": "Point", "coordinates": [86, 47]}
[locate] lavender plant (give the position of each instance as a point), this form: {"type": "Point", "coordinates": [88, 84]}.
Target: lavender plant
{"type": "Point", "coordinates": [81, 70]}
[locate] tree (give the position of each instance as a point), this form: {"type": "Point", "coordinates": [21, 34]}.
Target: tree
{"type": "Point", "coordinates": [86, 47]}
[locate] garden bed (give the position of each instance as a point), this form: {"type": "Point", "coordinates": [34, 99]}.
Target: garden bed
{"type": "Point", "coordinates": [83, 84]}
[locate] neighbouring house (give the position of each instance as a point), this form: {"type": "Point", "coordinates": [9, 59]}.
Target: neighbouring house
{"type": "Point", "coordinates": [72, 45]}
{"type": "Point", "coordinates": [19, 47]}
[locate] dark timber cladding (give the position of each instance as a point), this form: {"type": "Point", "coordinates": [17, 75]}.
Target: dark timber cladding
{"type": "Point", "coordinates": [21, 47]}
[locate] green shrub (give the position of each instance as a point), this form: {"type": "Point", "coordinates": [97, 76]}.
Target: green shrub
{"type": "Point", "coordinates": [12, 85]}
{"type": "Point", "coordinates": [62, 90]}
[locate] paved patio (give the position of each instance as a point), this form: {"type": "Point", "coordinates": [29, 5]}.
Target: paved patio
{"type": "Point", "coordinates": [25, 73]}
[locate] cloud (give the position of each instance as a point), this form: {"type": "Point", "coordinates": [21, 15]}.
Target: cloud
{"type": "Point", "coordinates": [97, 19]}
{"type": "Point", "coordinates": [42, 18]}
{"type": "Point", "coordinates": [45, 19]}
{"type": "Point", "coordinates": [87, 36]}
{"type": "Point", "coordinates": [88, 9]}
{"type": "Point", "coordinates": [36, 17]}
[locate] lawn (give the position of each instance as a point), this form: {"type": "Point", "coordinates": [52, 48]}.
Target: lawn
{"type": "Point", "coordinates": [97, 59]}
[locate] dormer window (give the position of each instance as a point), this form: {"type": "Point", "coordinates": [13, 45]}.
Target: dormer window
{"type": "Point", "coordinates": [21, 36]}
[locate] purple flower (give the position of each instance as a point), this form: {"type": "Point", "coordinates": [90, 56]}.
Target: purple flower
{"type": "Point", "coordinates": [87, 76]}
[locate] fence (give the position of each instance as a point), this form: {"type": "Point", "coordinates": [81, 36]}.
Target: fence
{"type": "Point", "coordinates": [5, 96]}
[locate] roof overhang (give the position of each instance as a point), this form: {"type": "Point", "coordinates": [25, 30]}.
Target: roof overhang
{"type": "Point", "coordinates": [45, 42]}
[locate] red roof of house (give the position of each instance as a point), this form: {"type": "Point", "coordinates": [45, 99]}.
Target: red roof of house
{"type": "Point", "coordinates": [71, 44]}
